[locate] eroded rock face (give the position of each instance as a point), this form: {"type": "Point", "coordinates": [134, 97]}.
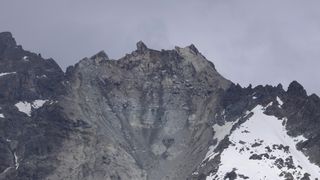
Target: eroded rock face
{"type": "Point", "coordinates": [149, 115]}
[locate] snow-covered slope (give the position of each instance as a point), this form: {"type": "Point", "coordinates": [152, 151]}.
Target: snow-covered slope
{"type": "Point", "coordinates": [260, 148]}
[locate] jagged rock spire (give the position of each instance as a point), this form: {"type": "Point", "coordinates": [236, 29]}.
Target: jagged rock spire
{"type": "Point", "coordinates": [6, 40]}
{"type": "Point", "coordinates": [296, 89]}
{"type": "Point", "coordinates": [193, 48]}
{"type": "Point", "coordinates": [141, 46]}
{"type": "Point", "coordinates": [100, 55]}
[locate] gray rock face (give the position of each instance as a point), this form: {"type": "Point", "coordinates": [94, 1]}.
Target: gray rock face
{"type": "Point", "coordinates": [148, 115]}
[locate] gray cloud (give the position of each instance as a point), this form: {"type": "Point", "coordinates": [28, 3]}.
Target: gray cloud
{"type": "Point", "coordinates": [250, 41]}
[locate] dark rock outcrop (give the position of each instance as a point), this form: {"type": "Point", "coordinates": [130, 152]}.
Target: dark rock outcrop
{"type": "Point", "coordinates": [29, 141]}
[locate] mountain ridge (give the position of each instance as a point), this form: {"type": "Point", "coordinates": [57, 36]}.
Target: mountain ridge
{"type": "Point", "coordinates": [149, 115]}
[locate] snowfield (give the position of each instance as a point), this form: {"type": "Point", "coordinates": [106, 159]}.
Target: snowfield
{"type": "Point", "coordinates": [220, 133]}
{"type": "Point", "coordinates": [261, 149]}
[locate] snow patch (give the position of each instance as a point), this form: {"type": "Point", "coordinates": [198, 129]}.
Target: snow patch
{"type": "Point", "coordinates": [1, 116]}
{"type": "Point", "coordinates": [6, 170]}
{"type": "Point", "coordinates": [195, 173]}
{"type": "Point", "coordinates": [16, 160]}
{"type": "Point", "coordinates": [268, 105]}
{"type": "Point", "coordinates": [280, 102]}
{"type": "Point", "coordinates": [261, 149]}
{"type": "Point", "coordinates": [7, 73]}
{"type": "Point", "coordinates": [26, 107]}
{"type": "Point", "coordinates": [38, 103]}
{"type": "Point", "coordinates": [42, 76]}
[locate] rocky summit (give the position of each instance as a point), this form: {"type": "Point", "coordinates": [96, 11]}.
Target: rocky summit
{"type": "Point", "coordinates": [150, 115]}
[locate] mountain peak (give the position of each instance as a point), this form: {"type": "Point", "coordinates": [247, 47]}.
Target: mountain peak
{"type": "Point", "coordinates": [193, 48]}
{"type": "Point", "coordinates": [141, 46]}
{"type": "Point", "coordinates": [5, 34]}
{"type": "Point", "coordinates": [7, 40]}
{"type": "Point", "coordinates": [100, 55]}
{"type": "Point", "coordinates": [296, 89]}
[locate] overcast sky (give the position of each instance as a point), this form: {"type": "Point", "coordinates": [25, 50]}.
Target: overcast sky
{"type": "Point", "coordinates": [249, 41]}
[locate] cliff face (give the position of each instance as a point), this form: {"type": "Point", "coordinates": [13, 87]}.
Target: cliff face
{"type": "Point", "coordinates": [31, 126]}
{"type": "Point", "coordinates": [149, 115]}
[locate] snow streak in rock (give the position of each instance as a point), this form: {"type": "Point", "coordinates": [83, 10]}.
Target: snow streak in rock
{"type": "Point", "coordinates": [7, 73]}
